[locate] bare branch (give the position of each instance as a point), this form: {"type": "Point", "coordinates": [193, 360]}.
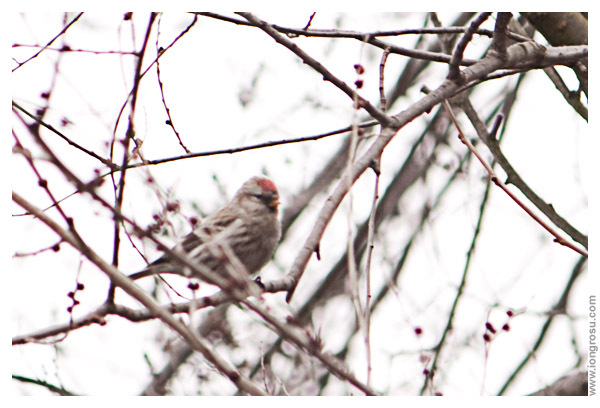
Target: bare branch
{"type": "Point", "coordinates": [77, 146]}
{"type": "Point", "coordinates": [457, 56]}
{"type": "Point", "coordinates": [500, 41]}
{"type": "Point", "coordinates": [160, 83]}
{"type": "Point", "coordinates": [64, 30]}
{"type": "Point", "coordinates": [317, 66]}
{"type": "Point", "coordinates": [129, 137]}
{"type": "Point", "coordinates": [494, 178]}
{"type": "Point", "coordinates": [514, 178]}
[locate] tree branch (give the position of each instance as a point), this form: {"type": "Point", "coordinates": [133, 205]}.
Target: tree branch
{"type": "Point", "coordinates": [376, 113]}
{"type": "Point", "coordinates": [557, 237]}
{"type": "Point", "coordinates": [514, 178]}
{"type": "Point", "coordinates": [515, 53]}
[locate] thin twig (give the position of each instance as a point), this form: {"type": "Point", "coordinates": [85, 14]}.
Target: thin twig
{"type": "Point", "coordinates": [129, 137]}
{"type": "Point", "coordinates": [347, 177]}
{"type": "Point", "coordinates": [417, 54]}
{"type": "Point", "coordinates": [160, 83]}
{"type": "Point", "coordinates": [367, 271]}
{"type": "Point", "coordinates": [64, 30]}
{"type": "Point", "coordinates": [382, 100]}
{"type": "Point", "coordinates": [309, 21]}
{"type": "Point", "coordinates": [64, 137]}
{"type": "Point", "coordinates": [77, 50]}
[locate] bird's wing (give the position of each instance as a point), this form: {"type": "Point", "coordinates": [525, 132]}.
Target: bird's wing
{"type": "Point", "coordinates": [204, 233]}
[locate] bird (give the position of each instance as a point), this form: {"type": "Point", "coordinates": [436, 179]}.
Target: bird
{"type": "Point", "coordinates": [241, 235]}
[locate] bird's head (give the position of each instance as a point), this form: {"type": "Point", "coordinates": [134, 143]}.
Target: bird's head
{"type": "Point", "coordinates": [259, 191]}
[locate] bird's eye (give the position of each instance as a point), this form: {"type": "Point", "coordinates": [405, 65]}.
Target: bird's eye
{"type": "Point", "coordinates": [265, 198]}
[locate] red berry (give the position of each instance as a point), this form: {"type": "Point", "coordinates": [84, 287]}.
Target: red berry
{"type": "Point", "coordinates": [172, 207]}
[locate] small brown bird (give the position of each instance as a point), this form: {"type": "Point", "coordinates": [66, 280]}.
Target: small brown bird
{"type": "Point", "coordinates": [247, 228]}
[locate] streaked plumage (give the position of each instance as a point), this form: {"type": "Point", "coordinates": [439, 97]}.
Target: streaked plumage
{"type": "Point", "coordinates": [248, 225]}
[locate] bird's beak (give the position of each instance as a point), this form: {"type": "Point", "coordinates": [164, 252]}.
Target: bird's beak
{"type": "Point", "coordinates": [274, 203]}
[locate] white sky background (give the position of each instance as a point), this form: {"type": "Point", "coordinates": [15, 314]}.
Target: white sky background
{"type": "Point", "coordinates": [203, 75]}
